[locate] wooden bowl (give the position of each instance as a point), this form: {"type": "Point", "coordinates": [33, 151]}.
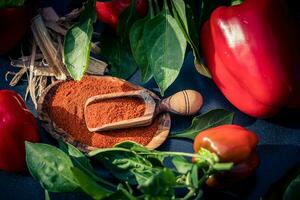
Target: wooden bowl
{"type": "Point", "coordinates": [59, 133]}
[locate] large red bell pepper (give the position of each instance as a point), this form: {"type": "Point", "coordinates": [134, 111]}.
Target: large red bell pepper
{"type": "Point", "coordinates": [231, 143]}
{"type": "Point", "coordinates": [17, 125]}
{"type": "Point", "coordinates": [251, 50]}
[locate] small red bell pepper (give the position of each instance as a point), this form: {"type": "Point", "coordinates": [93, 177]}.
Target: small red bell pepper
{"type": "Point", "coordinates": [251, 50]}
{"type": "Point", "coordinates": [231, 143]}
{"type": "Point", "coordinates": [17, 125]}
{"type": "Point", "coordinates": [109, 12]}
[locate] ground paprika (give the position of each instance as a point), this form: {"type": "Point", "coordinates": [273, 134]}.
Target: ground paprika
{"type": "Point", "coordinates": [113, 110]}
{"type": "Point", "coordinates": [66, 110]}
{"type": "Point", "coordinates": [231, 143]}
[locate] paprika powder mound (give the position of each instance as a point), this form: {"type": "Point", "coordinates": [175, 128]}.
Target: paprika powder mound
{"type": "Point", "coordinates": [114, 110]}
{"type": "Point", "coordinates": [62, 108]}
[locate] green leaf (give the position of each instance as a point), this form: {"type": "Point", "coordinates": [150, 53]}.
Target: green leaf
{"type": "Point", "coordinates": [77, 44]}
{"type": "Point", "coordinates": [182, 165]}
{"type": "Point", "coordinates": [126, 19]}
{"type": "Point", "coordinates": [11, 3]}
{"type": "Point", "coordinates": [82, 162]}
{"type": "Point", "coordinates": [292, 191]}
{"type": "Point", "coordinates": [160, 185]}
{"type": "Point", "coordinates": [285, 187]}
{"type": "Point", "coordinates": [119, 56]}
{"type": "Point", "coordinates": [155, 159]}
{"type": "Point", "coordinates": [89, 186]}
{"type": "Point", "coordinates": [51, 167]}
{"type": "Point", "coordinates": [185, 17]}
{"type": "Point", "coordinates": [179, 11]}
{"type": "Point", "coordinates": [166, 47]}
{"type": "Point", "coordinates": [124, 164]}
{"type": "Point", "coordinates": [121, 194]}
{"type": "Point", "coordinates": [200, 123]}
{"type": "Point", "coordinates": [138, 48]}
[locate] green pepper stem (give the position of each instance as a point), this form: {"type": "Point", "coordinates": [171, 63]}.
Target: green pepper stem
{"type": "Point", "coordinates": [223, 166]}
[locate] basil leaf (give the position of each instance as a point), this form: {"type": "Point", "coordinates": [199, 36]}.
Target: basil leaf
{"type": "Point", "coordinates": [11, 3]}
{"type": "Point", "coordinates": [179, 12]}
{"type": "Point", "coordinates": [292, 191]}
{"type": "Point", "coordinates": [166, 47]}
{"type": "Point", "coordinates": [160, 185]}
{"type": "Point", "coordinates": [132, 146]}
{"type": "Point", "coordinates": [181, 164]}
{"type": "Point", "coordinates": [210, 119]}
{"type": "Point", "coordinates": [126, 19]}
{"type": "Point", "coordinates": [82, 162]}
{"type": "Point", "coordinates": [51, 167]}
{"type": "Point", "coordinates": [185, 17]}
{"type": "Point", "coordinates": [155, 159]}
{"type": "Point", "coordinates": [89, 186]}
{"type": "Point", "coordinates": [139, 51]}
{"type": "Point", "coordinates": [121, 194]}
{"type": "Point", "coordinates": [77, 44]}
{"type": "Point", "coordinates": [125, 164]}
{"type": "Point", "coordinates": [119, 56]}
{"type": "Point", "coordinates": [285, 187]}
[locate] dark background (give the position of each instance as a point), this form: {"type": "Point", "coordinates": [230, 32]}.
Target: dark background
{"type": "Point", "coordinates": [279, 146]}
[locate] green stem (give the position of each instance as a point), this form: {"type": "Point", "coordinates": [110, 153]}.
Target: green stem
{"type": "Point", "coordinates": [166, 5]}
{"type": "Point", "coordinates": [174, 154]}
{"type": "Point", "coordinates": [156, 6]}
{"type": "Point", "coordinates": [223, 166]}
{"type": "Point", "coordinates": [151, 9]}
{"type": "Point", "coordinates": [236, 2]}
{"type": "Point", "coordinates": [190, 194]}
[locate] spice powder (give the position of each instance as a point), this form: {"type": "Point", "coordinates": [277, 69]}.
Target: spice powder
{"type": "Point", "coordinates": [114, 110]}
{"type": "Point", "coordinates": [66, 110]}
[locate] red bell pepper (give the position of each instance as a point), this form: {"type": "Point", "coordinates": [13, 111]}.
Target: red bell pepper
{"type": "Point", "coordinates": [251, 50]}
{"type": "Point", "coordinates": [17, 125]}
{"type": "Point", "coordinates": [231, 143]}
{"type": "Point", "coordinates": [13, 25]}
{"type": "Point", "coordinates": [109, 12]}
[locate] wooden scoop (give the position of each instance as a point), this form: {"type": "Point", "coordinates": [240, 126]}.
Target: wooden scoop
{"type": "Point", "coordinates": [186, 102]}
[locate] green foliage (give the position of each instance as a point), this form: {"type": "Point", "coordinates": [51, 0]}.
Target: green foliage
{"type": "Point", "coordinates": [11, 3]}
{"type": "Point", "coordinates": [51, 167]}
{"type": "Point", "coordinates": [200, 123]}
{"type": "Point", "coordinates": [77, 44]}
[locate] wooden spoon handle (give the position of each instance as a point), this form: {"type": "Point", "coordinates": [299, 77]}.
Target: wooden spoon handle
{"type": "Point", "coordinates": [186, 102]}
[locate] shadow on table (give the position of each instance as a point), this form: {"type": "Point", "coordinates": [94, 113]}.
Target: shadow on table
{"type": "Point", "coordinates": [289, 118]}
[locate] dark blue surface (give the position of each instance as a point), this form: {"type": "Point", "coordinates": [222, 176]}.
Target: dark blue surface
{"type": "Point", "coordinates": [279, 142]}
{"type": "Point", "coordinates": [279, 146]}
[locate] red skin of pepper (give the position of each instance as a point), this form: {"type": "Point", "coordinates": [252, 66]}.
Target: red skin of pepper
{"type": "Point", "coordinates": [17, 125]}
{"type": "Point", "coordinates": [13, 25]}
{"type": "Point", "coordinates": [250, 51]}
{"type": "Point", "coordinates": [109, 12]}
{"type": "Point", "coordinates": [231, 143]}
